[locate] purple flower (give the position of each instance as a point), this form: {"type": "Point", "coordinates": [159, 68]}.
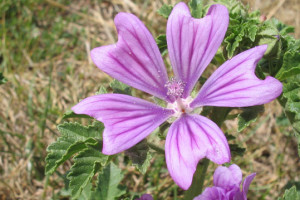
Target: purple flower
{"type": "Point", "coordinates": [145, 197]}
{"type": "Point", "coordinates": [227, 185]}
{"type": "Point", "coordinates": [192, 43]}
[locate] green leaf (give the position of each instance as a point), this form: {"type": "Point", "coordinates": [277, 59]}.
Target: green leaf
{"type": "Point", "coordinates": [290, 66]}
{"type": "Point", "coordinates": [290, 100]}
{"type": "Point", "coordinates": [140, 156]}
{"type": "Point", "coordinates": [248, 116]}
{"type": "Point", "coordinates": [165, 10]}
{"type": "Point", "coordinates": [119, 87]}
{"type": "Point", "coordinates": [161, 42]}
{"type": "Point", "coordinates": [236, 150]}
{"type": "Point", "coordinates": [291, 194]}
{"type": "Point", "coordinates": [86, 164]}
{"type": "Point", "coordinates": [2, 79]}
{"type": "Point", "coordinates": [102, 90]}
{"type": "Point", "coordinates": [74, 138]}
{"type": "Point", "coordinates": [108, 187]}
{"type": "Point", "coordinates": [196, 8]}
{"type": "Point", "coordinates": [159, 101]}
{"type": "Point", "coordinates": [71, 114]}
{"type": "Point", "coordinates": [229, 137]}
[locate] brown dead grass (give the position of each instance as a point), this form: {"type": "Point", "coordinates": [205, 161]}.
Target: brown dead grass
{"type": "Point", "coordinates": [269, 152]}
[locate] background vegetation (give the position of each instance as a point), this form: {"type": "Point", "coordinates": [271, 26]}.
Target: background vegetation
{"type": "Point", "coordinates": [44, 57]}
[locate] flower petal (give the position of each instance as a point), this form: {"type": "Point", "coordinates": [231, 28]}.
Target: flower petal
{"type": "Point", "coordinates": [192, 43]}
{"type": "Point", "coordinates": [127, 119]}
{"type": "Point", "coordinates": [135, 59]}
{"type": "Point", "coordinates": [234, 84]}
{"type": "Point", "coordinates": [212, 193]}
{"type": "Point", "coordinates": [228, 178]}
{"type": "Point", "coordinates": [191, 138]}
{"type": "Point", "coordinates": [247, 183]}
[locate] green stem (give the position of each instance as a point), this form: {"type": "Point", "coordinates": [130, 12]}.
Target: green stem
{"type": "Point", "coordinates": [156, 148]}
{"type": "Point", "coordinates": [198, 180]}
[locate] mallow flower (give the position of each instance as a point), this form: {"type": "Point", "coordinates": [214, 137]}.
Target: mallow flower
{"type": "Point", "coordinates": [136, 61]}
{"type": "Point", "coordinates": [227, 185]}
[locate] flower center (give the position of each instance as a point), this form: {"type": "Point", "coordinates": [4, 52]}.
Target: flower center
{"type": "Point", "coordinates": [175, 87]}
{"type": "Point", "coordinates": [181, 106]}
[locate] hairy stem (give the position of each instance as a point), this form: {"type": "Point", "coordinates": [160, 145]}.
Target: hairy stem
{"type": "Point", "coordinates": [156, 148]}
{"type": "Point", "coordinates": [198, 180]}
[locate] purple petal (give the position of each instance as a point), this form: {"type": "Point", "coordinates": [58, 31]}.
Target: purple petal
{"type": "Point", "coordinates": [234, 84]}
{"type": "Point", "coordinates": [228, 178]}
{"type": "Point", "coordinates": [212, 193]}
{"type": "Point", "coordinates": [135, 59]}
{"type": "Point", "coordinates": [192, 43]}
{"type": "Point", "coordinates": [127, 119]}
{"type": "Point", "coordinates": [247, 183]}
{"type": "Point", "coordinates": [191, 138]}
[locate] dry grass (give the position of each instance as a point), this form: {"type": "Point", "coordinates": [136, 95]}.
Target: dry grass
{"type": "Point", "coordinates": [38, 92]}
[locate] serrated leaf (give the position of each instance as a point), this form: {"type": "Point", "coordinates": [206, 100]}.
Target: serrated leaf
{"type": "Point", "coordinates": [291, 194]}
{"type": "Point", "coordinates": [108, 187]}
{"type": "Point", "coordinates": [236, 150]}
{"type": "Point", "coordinates": [2, 79]}
{"type": "Point", "coordinates": [74, 138]}
{"type": "Point", "coordinates": [196, 8]}
{"type": "Point", "coordinates": [248, 116]}
{"type": "Point", "coordinates": [165, 10]}
{"type": "Point", "coordinates": [290, 100]}
{"type": "Point", "coordinates": [71, 114]}
{"type": "Point", "coordinates": [86, 164]}
{"type": "Point", "coordinates": [140, 156]}
{"type": "Point", "coordinates": [290, 66]}
{"type": "Point", "coordinates": [252, 30]}
{"type": "Point", "coordinates": [161, 42]}
{"type": "Point", "coordinates": [119, 87]}
{"type": "Point", "coordinates": [229, 137]}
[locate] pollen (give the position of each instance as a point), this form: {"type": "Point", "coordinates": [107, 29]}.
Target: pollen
{"type": "Point", "coordinates": [175, 87]}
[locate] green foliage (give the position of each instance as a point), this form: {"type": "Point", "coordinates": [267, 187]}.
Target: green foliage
{"type": "Point", "coordinates": [140, 156]}
{"type": "Point", "coordinates": [102, 90]}
{"type": "Point", "coordinates": [248, 116]}
{"type": "Point", "coordinates": [161, 42]}
{"type": "Point", "coordinates": [119, 87]}
{"type": "Point", "coordinates": [291, 194]}
{"type": "Point", "coordinates": [291, 62]}
{"type": "Point", "coordinates": [290, 100]}
{"type": "Point", "coordinates": [196, 7]}
{"type": "Point", "coordinates": [165, 10]}
{"type": "Point", "coordinates": [71, 114]}
{"type": "Point", "coordinates": [235, 149]}
{"type": "Point", "coordinates": [86, 164]}
{"type": "Point", "coordinates": [281, 60]}
{"type": "Point", "coordinates": [74, 138]}
{"type": "Point", "coordinates": [2, 79]}
{"type": "Point", "coordinates": [242, 29]}
{"type": "Point", "coordinates": [108, 186]}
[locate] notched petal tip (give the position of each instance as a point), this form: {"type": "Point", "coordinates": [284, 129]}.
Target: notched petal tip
{"type": "Point", "coordinates": [234, 84]}
{"type": "Point", "coordinates": [192, 43]}
{"type": "Point", "coordinates": [135, 59]}
{"type": "Point", "coordinates": [191, 138]}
